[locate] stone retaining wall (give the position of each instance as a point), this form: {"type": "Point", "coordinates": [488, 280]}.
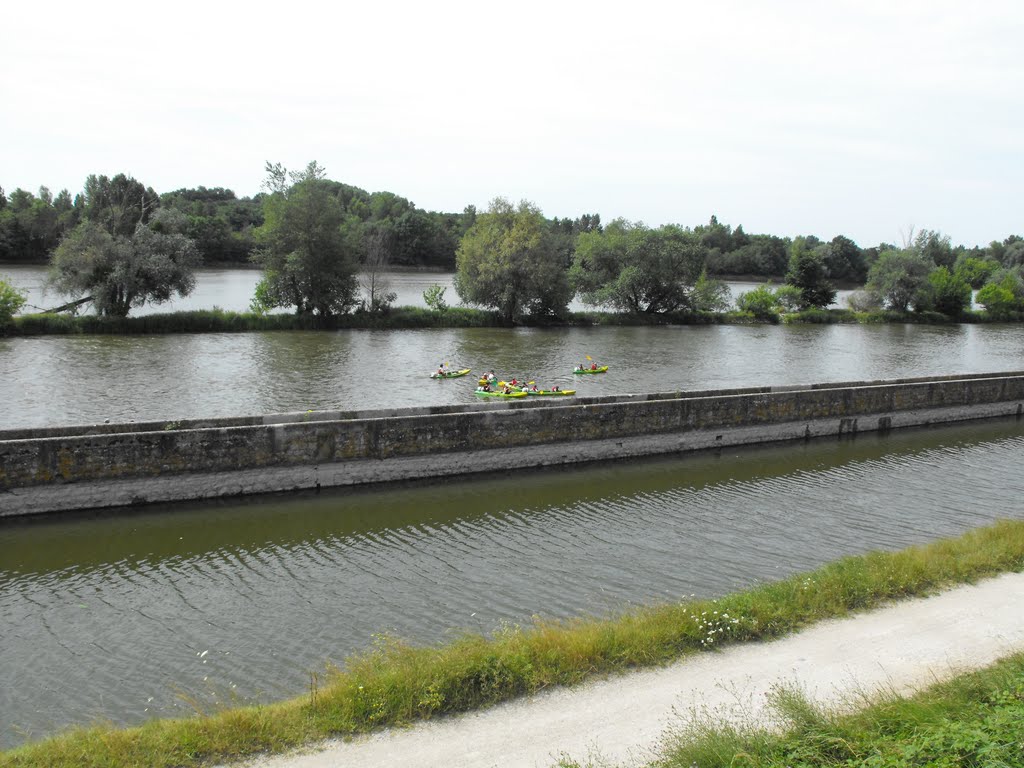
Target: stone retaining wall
{"type": "Point", "coordinates": [113, 465]}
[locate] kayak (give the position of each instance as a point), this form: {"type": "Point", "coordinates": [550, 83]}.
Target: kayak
{"type": "Point", "coordinates": [450, 374]}
{"type": "Point", "coordinates": [481, 393]}
{"type": "Point", "coordinates": [543, 392]}
{"type": "Point", "coordinates": [602, 369]}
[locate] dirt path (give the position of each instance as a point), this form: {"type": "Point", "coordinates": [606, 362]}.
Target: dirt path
{"type": "Point", "coordinates": [623, 718]}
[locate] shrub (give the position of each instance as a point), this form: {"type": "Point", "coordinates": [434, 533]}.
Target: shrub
{"type": "Point", "coordinates": [11, 302]}
{"type": "Point", "coordinates": [433, 297]}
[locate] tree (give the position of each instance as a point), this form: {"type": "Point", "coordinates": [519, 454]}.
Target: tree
{"type": "Point", "coordinates": [935, 248]}
{"type": "Point", "coordinates": [808, 273]}
{"type": "Point", "coordinates": [900, 279]}
{"type": "Point", "coordinates": [1003, 295]}
{"type": "Point", "coordinates": [118, 205]}
{"type": "Point", "coordinates": [508, 261]}
{"type": "Point", "coordinates": [121, 272]}
{"type": "Point", "coordinates": [433, 297]}
{"type": "Point", "coordinates": [378, 249]}
{"type": "Point", "coordinates": [760, 302]}
{"type": "Point", "coordinates": [11, 302]}
{"type": "Point", "coordinates": [950, 293]}
{"type": "Point", "coordinates": [844, 260]}
{"type": "Point", "coordinates": [308, 263]}
{"type": "Point", "coordinates": [975, 271]}
{"type": "Point", "coordinates": [710, 295]}
{"type": "Point", "coordinates": [636, 269]}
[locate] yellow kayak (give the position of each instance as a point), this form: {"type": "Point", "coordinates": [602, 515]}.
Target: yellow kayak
{"type": "Point", "coordinates": [449, 374]}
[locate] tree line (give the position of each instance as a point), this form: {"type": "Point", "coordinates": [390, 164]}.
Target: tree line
{"type": "Point", "coordinates": [325, 249]}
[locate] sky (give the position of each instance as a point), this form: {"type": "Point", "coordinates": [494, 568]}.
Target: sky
{"type": "Point", "coordinates": [867, 119]}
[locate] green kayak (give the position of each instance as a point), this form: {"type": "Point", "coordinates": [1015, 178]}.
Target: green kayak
{"type": "Point", "coordinates": [602, 369]}
{"type": "Point", "coordinates": [517, 393]}
{"type": "Point", "coordinates": [449, 374]}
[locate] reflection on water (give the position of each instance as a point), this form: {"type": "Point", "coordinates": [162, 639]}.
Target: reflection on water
{"type": "Point", "coordinates": [110, 616]}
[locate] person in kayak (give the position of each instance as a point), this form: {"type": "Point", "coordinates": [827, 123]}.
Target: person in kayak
{"type": "Point", "coordinates": [593, 366]}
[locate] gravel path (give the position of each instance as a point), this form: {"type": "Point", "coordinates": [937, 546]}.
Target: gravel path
{"type": "Point", "coordinates": [623, 718]}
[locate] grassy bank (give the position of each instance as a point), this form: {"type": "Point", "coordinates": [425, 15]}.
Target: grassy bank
{"type": "Point", "coordinates": [975, 719]}
{"type": "Point", "coordinates": [395, 683]}
{"type": "Point", "coordinates": [221, 321]}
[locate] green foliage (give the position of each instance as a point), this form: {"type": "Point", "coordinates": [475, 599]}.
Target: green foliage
{"type": "Point", "coordinates": [752, 255]}
{"type": "Point", "coordinates": [974, 719]}
{"type": "Point", "coordinates": [120, 272]}
{"type": "Point", "coordinates": [221, 321]}
{"type": "Point", "coordinates": [11, 302]}
{"type": "Point", "coordinates": [934, 248]}
{"type": "Point", "coordinates": [119, 204]}
{"type": "Point", "coordinates": [760, 302]}
{"type": "Point", "coordinates": [1003, 295]}
{"type": "Point", "coordinates": [807, 272]}
{"type": "Point", "coordinates": [976, 272]}
{"type": "Point", "coordinates": [307, 261]}
{"type": "Point", "coordinates": [950, 293]}
{"type": "Point", "coordinates": [844, 260]}
{"type": "Point", "coordinates": [635, 269]}
{"type": "Point", "coordinates": [433, 297]}
{"type": "Point", "coordinates": [900, 279]}
{"type": "Point", "coordinates": [508, 260]}
{"type": "Point", "coordinates": [710, 295]}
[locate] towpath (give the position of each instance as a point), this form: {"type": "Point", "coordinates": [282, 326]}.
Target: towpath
{"type": "Point", "coordinates": [623, 718]}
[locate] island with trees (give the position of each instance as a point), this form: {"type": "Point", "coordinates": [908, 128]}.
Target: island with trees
{"type": "Point", "coordinates": [325, 249]}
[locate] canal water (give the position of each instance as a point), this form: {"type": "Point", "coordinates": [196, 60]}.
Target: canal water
{"type": "Point", "coordinates": [124, 617]}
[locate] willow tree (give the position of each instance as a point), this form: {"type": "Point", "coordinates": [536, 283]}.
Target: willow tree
{"type": "Point", "coordinates": [120, 272]}
{"type": "Point", "coordinates": [508, 261]}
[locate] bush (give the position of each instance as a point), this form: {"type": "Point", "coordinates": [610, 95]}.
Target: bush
{"type": "Point", "coordinates": [11, 302]}
{"type": "Point", "coordinates": [760, 302]}
{"type": "Point", "coordinates": [433, 297]}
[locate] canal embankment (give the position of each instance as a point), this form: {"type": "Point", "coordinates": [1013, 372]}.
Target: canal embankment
{"type": "Point", "coordinates": [112, 465]}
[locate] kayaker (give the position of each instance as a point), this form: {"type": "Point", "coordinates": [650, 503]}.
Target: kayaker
{"type": "Point", "coordinates": [593, 366]}
{"type": "Point", "coordinates": [554, 388]}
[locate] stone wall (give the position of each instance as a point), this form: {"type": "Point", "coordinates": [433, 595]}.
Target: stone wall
{"type": "Point", "coordinates": [114, 465]}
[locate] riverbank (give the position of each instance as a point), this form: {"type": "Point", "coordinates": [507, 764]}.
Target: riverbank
{"type": "Point", "coordinates": [627, 720]}
{"type": "Point", "coordinates": [413, 318]}
{"type": "Point", "coordinates": [394, 683]}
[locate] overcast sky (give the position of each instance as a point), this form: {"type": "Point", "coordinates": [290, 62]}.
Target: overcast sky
{"type": "Point", "coordinates": [860, 118]}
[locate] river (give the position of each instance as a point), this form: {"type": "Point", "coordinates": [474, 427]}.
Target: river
{"type": "Point", "coordinates": [53, 380]}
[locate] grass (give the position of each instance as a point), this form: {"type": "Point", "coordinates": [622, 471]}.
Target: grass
{"type": "Point", "coordinates": [395, 683]}
{"type": "Point", "coordinates": [974, 719]}
{"type": "Point", "coordinates": [222, 321]}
